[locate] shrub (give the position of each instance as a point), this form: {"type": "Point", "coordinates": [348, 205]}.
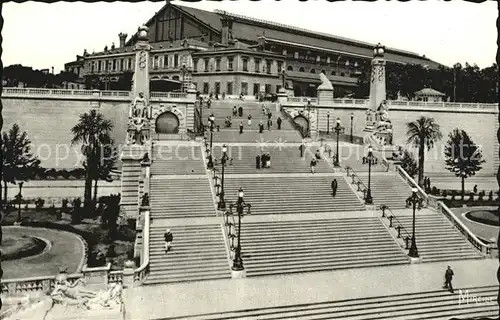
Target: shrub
{"type": "Point", "coordinates": [64, 174]}
{"type": "Point", "coordinates": [445, 193]}
{"type": "Point", "coordinates": [64, 207]}
{"type": "Point", "coordinates": [453, 194]}
{"type": "Point", "coordinates": [471, 196]}
{"type": "Point", "coordinates": [76, 214]}
{"type": "Point", "coordinates": [39, 203]}
{"type": "Point", "coordinates": [481, 195]}
{"type": "Point", "coordinates": [490, 195]}
{"type": "Point", "coordinates": [51, 174]}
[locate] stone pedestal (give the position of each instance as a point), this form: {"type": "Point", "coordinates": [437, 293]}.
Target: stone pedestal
{"type": "Point", "coordinates": [96, 278]}
{"type": "Point", "coordinates": [128, 277]}
{"type": "Point", "coordinates": [282, 99]}
{"type": "Point", "coordinates": [415, 260]}
{"type": "Point", "coordinates": [325, 97]}
{"type": "Point", "coordinates": [240, 274]}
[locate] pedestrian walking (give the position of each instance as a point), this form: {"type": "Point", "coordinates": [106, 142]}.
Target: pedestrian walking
{"type": "Point", "coordinates": [313, 165]}
{"type": "Point", "coordinates": [334, 187]}
{"type": "Point", "coordinates": [301, 148]}
{"type": "Point", "coordinates": [261, 127]}
{"type": "Point", "coordinates": [241, 127]}
{"type": "Point", "coordinates": [257, 161]}
{"type": "Point", "coordinates": [249, 120]}
{"type": "Point", "coordinates": [475, 189]}
{"type": "Point", "coordinates": [235, 111]}
{"type": "Point", "coordinates": [168, 240]}
{"type": "Point", "coordinates": [269, 124]}
{"type": "Point", "coordinates": [278, 121]}
{"type": "Point", "coordinates": [317, 155]}
{"type": "Point", "coordinates": [240, 111]}
{"type": "Point", "coordinates": [448, 276]}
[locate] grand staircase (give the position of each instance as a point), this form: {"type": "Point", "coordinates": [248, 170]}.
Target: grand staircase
{"type": "Point", "coordinates": [438, 305]}
{"type": "Point", "coordinates": [438, 240]}
{"type": "Point", "coordinates": [177, 159]}
{"type": "Point", "coordinates": [285, 158]}
{"type": "Point", "coordinates": [293, 194]}
{"type": "Point", "coordinates": [388, 189]}
{"type": "Point", "coordinates": [130, 186]}
{"type": "Point", "coordinates": [281, 247]}
{"type": "Point", "coordinates": [198, 253]}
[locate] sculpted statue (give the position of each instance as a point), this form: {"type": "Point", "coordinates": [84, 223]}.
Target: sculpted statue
{"type": "Point", "coordinates": [138, 131]}
{"type": "Point", "coordinates": [325, 83]}
{"type": "Point", "coordinates": [139, 107]}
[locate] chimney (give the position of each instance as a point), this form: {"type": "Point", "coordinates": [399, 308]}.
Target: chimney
{"type": "Point", "coordinates": [123, 37]}
{"type": "Point", "coordinates": [227, 26]}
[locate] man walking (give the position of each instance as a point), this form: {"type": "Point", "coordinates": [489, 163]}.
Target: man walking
{"type": "Point", "coordinates": [240, 111]}
{"type": "Point", "coordinates": [448, 276]}
{"type": "Point", "coordinates": [257, 161]}
{"type": "Point", "coordinates": [313, 165]}
{"type": "Point", "coordinates": [334, 187]}
{"type": "Point", "coordinates": [241, 127]}
{"type": "Point", "coordinates": [269, 124]}
{"type": "Point", "coordinates": [278, 121]}
{"type": "Point", "coordinates": [261, 127]}
{"type": "Point", "coordinates": [168, 240]}
{"type": "Point", "coordinates": [301, 148]}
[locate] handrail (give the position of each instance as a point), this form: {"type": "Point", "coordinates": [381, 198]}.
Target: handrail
{"type": "Point", "coordinates": [412, 183]}
{"type": "Point", "coordinates": [359, 182]}
{"type": "Point", "coordinates": [399, 226]}
{"type": "Point", "coordinates": [471, 237]}
{"type": "Point", "coordinates": [303, 131]}
{"type": "Point", "coordinates": [143, 270]}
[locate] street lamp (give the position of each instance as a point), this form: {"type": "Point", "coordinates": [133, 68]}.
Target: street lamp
{"type": "Point", "coordinates": [211, 119]}
{"type": "Point", "coordinates": [240, 205]}
{"type": "Point", "coordinates": [308, 109]}
{"type": "Point", "coordinates": [352, 118]}
{"type": "Point", "coordinates": [328, 123]}
{"type": "Point", "coordinates": [202, 126]}
{"type": "Point", "coordinates": [338, 128]}
{"type": "Point", "coordinates": [414, 200]}
{"type": "Point", "coordinates": [222, 204]}
{"type": "Point", "coordinates": [369, 199]}
{"type": "Point", "coordinates": [20, 198]}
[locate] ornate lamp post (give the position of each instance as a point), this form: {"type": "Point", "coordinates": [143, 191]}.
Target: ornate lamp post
{"type": "Point", "coordinates": [338, 129]}
{"type": "Point", "coordinates": [20, 198]}
{"type": "Point", "coordinates": [328, 123]}
{"type": "Point", "coordinates": [222, 204]}
{"type": "Point", "coordinates": [240, 205]}
{"type": "Point", "coordinates": [369, 199]}
{"type": "Point", "coordinates": [414, 200]}
{"type": "Point", "coordinates": [202, 126]}
{"type": "Point", "coordinates": [211, 119]}
{"type": "Point", "coordinates": [352, 118]}
{"type": "Point", "coordinates": [307, 107]}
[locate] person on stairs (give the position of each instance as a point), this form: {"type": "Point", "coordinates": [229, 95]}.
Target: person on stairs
{"type": "Point", "coordinates": [264, 109]}
{"type": "Point", "coordinates": [249, 120]}
{"type": "Point", "coordinates": [448, 276]}
{"type": "Point", "coordinates": [240, 111]}
{"type": "Point", "coordinates": [475, 189]}
{"type": "Point", "coordinates": [278, 122]}
{"type": "Point", "coordinates": [168, 240]}
{"type": "Point", "coordinates": [261, 127]}
{"type": "Point", "coordinates": [317, 155]}
{"type": "Point", "coordinates": [269, 124]}
{"type": "Point", "coordinates": [334, 187]}
{"type": "Point", "coordinates": [263, 160]}
{"type": "Point", "coordinates": [235, 111]}
{"type": "Point", "coordinates": [241, 127]}
{"type": "Point", "coordinates": [257, 161]}
{"type": "Point", "coordinates": [313, 165]}
{"type": "Point", "coordinates": [302, 148]}
{"type": "Point", "coordinates": [268, 160]}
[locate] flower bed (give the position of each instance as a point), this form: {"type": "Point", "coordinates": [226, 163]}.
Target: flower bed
{"type": "Point", "coordinates": [488, 217]}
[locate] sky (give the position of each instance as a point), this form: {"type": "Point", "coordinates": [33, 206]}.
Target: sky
{"type": "Point", "coordinates": [44, 35]}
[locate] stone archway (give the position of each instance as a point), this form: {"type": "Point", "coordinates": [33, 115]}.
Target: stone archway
{"type": "Point", "coordinates": [167, 123]}
{"type": "Point", "coordinates": [301, 121]}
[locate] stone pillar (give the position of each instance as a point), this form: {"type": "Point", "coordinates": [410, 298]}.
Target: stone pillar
{"type": "Point", "coordinates": [141, 75]}
{"type": "Point", "coordinates": [282, 99]}
{"type": "Point", "coordinates": [96, 278]}
{"type": "Point", "coordinates": [377, 83]}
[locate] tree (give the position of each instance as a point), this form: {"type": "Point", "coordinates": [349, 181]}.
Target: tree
{"type": "Point", "coordinates": [421, 133]}
{"type": "Point", "coordinates": [462, 156]}
{"type": "Point", "coordinates": [409, 164]}
{"type": "Point", "coordinates": [111, 213]}
{"type": "Point", "coordinates": [93, 132]}
{"type": "Point", "coordinates": [19, 164]}
{"type": "Point", "coordinates": [107, 156]}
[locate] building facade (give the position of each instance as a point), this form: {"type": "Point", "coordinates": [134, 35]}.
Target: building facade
{"type": "Point", "coordinates": [227, 53]}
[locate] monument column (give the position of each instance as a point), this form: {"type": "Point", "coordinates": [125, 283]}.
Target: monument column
{"type": "Point", "coordinates": [377, 87]}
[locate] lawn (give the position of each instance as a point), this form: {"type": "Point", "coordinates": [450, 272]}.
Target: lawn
{"type": "Point", "coordinates": [489, 217]}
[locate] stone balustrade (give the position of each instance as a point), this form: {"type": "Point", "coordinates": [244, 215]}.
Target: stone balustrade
{"type": "Point", "coordinates": [18, 286]}
{"type": "Point", "coordinates": [140, 273]}
{"type": "Point", "coordinates": [412, 183]}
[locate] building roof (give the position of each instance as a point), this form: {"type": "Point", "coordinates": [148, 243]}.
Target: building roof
{"type": "Point", "coordinates": [314, 78]}
{"type": "Point", "coordinates": [429, 92]}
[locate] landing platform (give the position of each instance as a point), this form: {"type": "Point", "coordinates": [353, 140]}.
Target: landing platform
{"type": "Point", "coordinates": [175, 300]}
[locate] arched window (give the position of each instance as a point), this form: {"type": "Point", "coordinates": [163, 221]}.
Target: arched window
{"type": "Point", "coordinates": [334, 73]}
{"type": "Point", "coordinates": [176, 78]}
{"type": "Point", "coordinates": [313, 71]}
{"type": "Point", "coordinates": [290, 68]}
{"type": "Point", "coordinates": [301, 69]}
{"type": "Point", "coordinates": [323, 72]}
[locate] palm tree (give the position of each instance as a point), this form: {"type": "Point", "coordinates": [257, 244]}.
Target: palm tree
{"type": "Point", "coordinates": [421, 133]}
{"type": "Point", "coordinates": [93, 132]}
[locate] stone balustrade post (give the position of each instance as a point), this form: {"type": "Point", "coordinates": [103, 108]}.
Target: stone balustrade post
{"type": "Point", "coordinates": [390, 221]}
{"type": "Point", "coordinates": [128, 276]}
{"type": "Point", "coordinates": [399, 231]}
{"type": "Point", "coordinates": [96, 278]}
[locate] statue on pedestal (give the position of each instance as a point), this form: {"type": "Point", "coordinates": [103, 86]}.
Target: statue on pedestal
{"type": "Point", "coordinates": [139, 107]}
{"type": "Point", "coordinates": [383, 123]}
{"type": "Point", "coordinates": [138, 131]}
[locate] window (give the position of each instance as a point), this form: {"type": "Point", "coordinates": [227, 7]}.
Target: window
{"type": "Point", "coordinates": [217, 88]}
{"type": "Point", "coordinates": [230, 63]}
{"type": "Point", "coordinates": [155, 62]}
{"type": "Point", "coordinates": [245, 64]}
{"type": "Point", "coordinates": [206, 88]}
{"type": "Point", "coordinates": [122, 61]}
{"type": "Point", "coordinates": [99, 66]}
{"type": "Point", "coordinates": [229, 88]}
{"type": "Point", "coordinates": [296, 55]}
{"type": "Point", "coordinates": [176, 60]}
{"type": "Point", "coordinates": [129, 65]}
{"type": "Point", "coordinates": [165, 61]}
{"type": "Point", "coordinates": [268, 88]}
{"type": "Point", "coordinates": [207, 61]}
{"type": "Point", "coordinates": [289, 68]}
{"type": "Point", "coordinates": [301, 69]}
{"type": "Point", "coordinates": [313, 71]}
{"type": "Point", "coordinates": [244, 88]}
{"type": "Point", "coordinates": [257, 65]}
{"type": "Point", "coordinates": [278, 87]}
{"type": "Point", "coordinates": [268, 66]}
{"type": "Point", "coordinates": [256, 88]}
{"type": "Point", "coordinates": [280, 66]}
{"type": "Point", "coordinates": [195, 65]}
{"type": "Point", "coordinates": [217, 64]}
{"type": "Point", "coordinates": [92, 67]}
{"type": "Point", "coordinates": [176, 78]}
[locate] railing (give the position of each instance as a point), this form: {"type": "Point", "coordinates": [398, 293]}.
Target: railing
{"type": "Point", "coordinates": [409, 180]}
{"type": "Point", "coordinates": [357, 181]}
{"type": "Point", "coordinates": [304, 132]}
{"type": "Point", "coordinates": [142, 272]}
{"type": "Point", "coordinates": [396, 224]}
{"type": "Point", "coordinates": [172, 95]}
{"type": "Point", "coordinates": [485, 249]}
{"type": "Point", "coordinates": [33, 284]}
{"type": "Point", "coordinates": [115, 277]}
{"type": "Point", "coordinates": [442, 104]}
{"type": "Point", "coordinates": [301, 99]}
